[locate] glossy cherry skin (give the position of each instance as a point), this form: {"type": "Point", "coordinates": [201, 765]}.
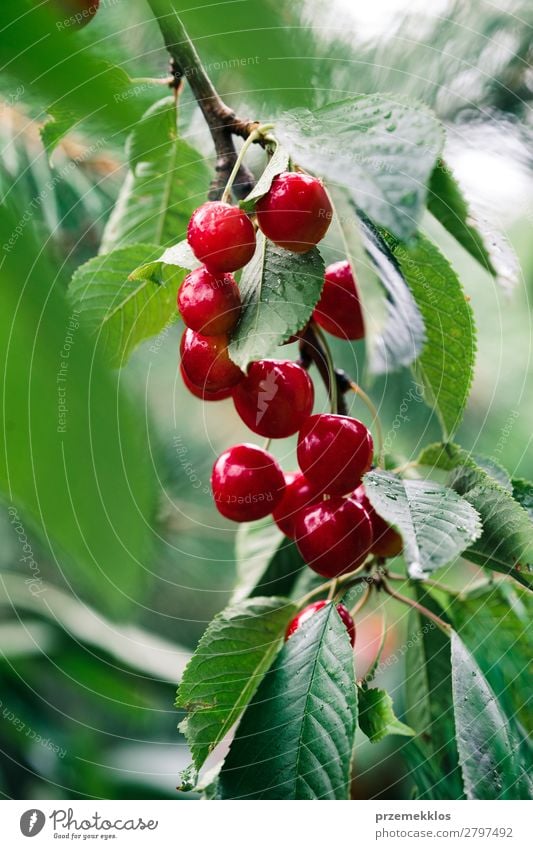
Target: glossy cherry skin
{"type": "Point", "coordinates": [334, 452]}
{"type": "Point", "coordinates": [339, 310]}
{"type": "Point", "coordinates": [295, 213]}
{"type": "Point", "coordinates": [204, 394]}
{"type": "Point", "coordinates": [221, 236]}
{"type": "Point", "coordinates": [299, 493]}
{"type": "Point", "coordinates": [209, 304]}
{"type": "Point", "coordinates": [387, 541]}
{"type": "Point", "coordinates": [333, 537]}
{"type": "Point", "coordinates": [206, 363]}
{"type": "Point", "coordinates": [305, 614]}
{"type": "Point", "coordinates": [247, 483]}
{"type": "Point", "coordinates": [275, 398]}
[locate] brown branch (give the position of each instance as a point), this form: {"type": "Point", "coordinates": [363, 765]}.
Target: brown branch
{"type": "Point", "coordinates": [221, 119]}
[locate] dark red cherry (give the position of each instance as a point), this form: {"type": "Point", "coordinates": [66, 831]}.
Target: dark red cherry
{"type": "Point", "coordinates": [73, 14]}
{"type": "Point", "coordinates": [205, 361]}
{"type": "Point", "coordinates": [247, 483]}
{"type": "Point", "coordinates": [221, 236]}
{"type": "Point", "coordinates": [305, 614]}
{"type": "Point", "coordinates": [275, 398]}
{"type": "Point", "coordinates": [333, 537]}
{"type": "Point", "coordinates": [209, 304]}
{"type": "Point", "coordinates": [339, 310]}
{"type": "Point", "coordinates": [299, 493]}
{"type": "Point", "coordinates": [334, 452]}
{"type": "Point", "coordinates": [387, 541]}
{"type": "Point", "coordinates": [204, 394]}
{"type": "Point", "coordinates": [296, 212]}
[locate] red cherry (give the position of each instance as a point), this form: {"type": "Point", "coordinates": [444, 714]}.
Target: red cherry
{"type": "Point", "coordinates": [247, 483]}
{"type": "Point", "coordinates": [205, 361]}
{"type": "Point", "coordinates": [295, 213]}
{"type": "Point", "coordinates": [387, 540]}
{"type": "Point", "coordinates": [334, 452]}
{"type": "Point", "coordinates": [204, 394]}
{"type": "Point", "coordinates": [339, 310]}
{"type": "Point", "coordinates": [333, 537]}
{"type": "Point", "coordinates": [221, 236]}
{"type": "Point", "coordinates": [299, 493]}
{"type": "Point", "coordinates": [211, 305]}
{"type": "Point", "coordinates": [311, 609]}
{"type": "Point", "coordinates": [275, 398]}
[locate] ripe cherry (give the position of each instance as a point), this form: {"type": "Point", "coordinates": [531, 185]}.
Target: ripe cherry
{"type": "Point", "coordinates": [387, 541]}
{"type": "Point", "coordinates": [305, 614]}
{"type": "Point", "coordinates": [296, 212]}
{"type": "Point", "coordinates": [299, 493]}
{"type": "Point", "coordinates": [209, 304]}
{"type": "Point", "coordinates": [247, 483]}
{"type": "Point", "coordinates": [221, 236]}
{"type": "Point", "coordinates": [275, 398]}
{"type": "Point", "coordinates": [205, 361]}
{"type": "Point", "coordinates": [339, 310]}
{"type": "Point", "coordinates": [204, 394]}
{"type": "Point", "coordinates": [333, 537]}
{"type": "Point", "coordinates": [334, 452]}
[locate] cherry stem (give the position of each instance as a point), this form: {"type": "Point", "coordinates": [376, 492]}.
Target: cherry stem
{"type": "Point", "coordinates": [222, 121]}
{"type": "Point", "coordinates": [254, 136]}
{"type": "Point", "coordinates": [332, 377]}
{"type": "Point", "coordinates": [419, 607]}
{"type": "Point", "coordinates": [348, 579]}
{"type": "Point", "coordinates": [393, 576]}
{"type": "Point", "coordinates": [376, 422]}
{"type": "Point", "coordinates": [333, 589]}
{"type": "Point", "coordinates": [360, 603]}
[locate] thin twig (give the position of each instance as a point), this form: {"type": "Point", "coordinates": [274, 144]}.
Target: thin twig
{"type": "Point", "coordinates": [420, 607]}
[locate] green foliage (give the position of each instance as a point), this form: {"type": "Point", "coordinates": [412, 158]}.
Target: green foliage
{"type": "Point", "coordinates": [227, 667]}
{"type": "Point", "coordinates": [277, 163]}
{"type": "Point", "coordinates": [267, 562]}
{"type": "Point", "coordinates": [381, 150]}
{"type": "Point", "coordinates": [435, 523]}
{"type": "Point", "coordinates": [506, 544]}
{"type": "Point", "coordinates": [179, 256]}
{"type": "Point", "coordinates": [123, 311]}
{"type": "Point", "coordinates": [302, 744]}
{"type": "Point", "coordinates": [446, 364]}
{"type": "Point", "coordinates": [490, 249]}
{"type": "Point", "coordinates": [279, 290]}
{"type": "Point", "coordinates": [166, 181]}
{"type": "Point", "coordinates": [488, 754]}
{"type": "Point", "coordinates": [78, 472]}
{"type": "Point", "coordinates": [376, 715]}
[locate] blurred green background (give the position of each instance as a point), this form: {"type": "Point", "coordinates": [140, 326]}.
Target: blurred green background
{"type": "Point", "coordinates": [86, 696]}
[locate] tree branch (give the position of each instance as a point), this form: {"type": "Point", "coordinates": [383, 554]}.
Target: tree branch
{"type": "Point", "coordinates": [222, 122]}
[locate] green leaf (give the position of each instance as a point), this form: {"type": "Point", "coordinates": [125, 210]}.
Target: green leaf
{"type": "Point", "coordinates": [401, 338]}
{"type": "Point", "coordinates": [166, 181]}
{"type": "Point", "coordinates": [493, 252]}
{"type": "Point", "coordinates": [523, 493]}
{"type": "Point", "coordinates": [446, 364]}
{"type": "Point", "coordinates": [277, 163]}
{"type": "Point", "coordinates": [279, 291]}
{"type": "Point", "coordinates": [495, 626]}
{"type": "Point", "coordinates": [429, 707]}
{"type": "Point", "coordinates": [488, 752]}
{"type": "Point", "coordinates": [123, 312]}
{"type": "Point", "coordinates": [296, 738]}
{"type": "Point", "coordinates": [506, 544]}
{"type": "Point", "coordinates": [227, 667]}
{"type": "Point", "coordinates": [382, 150]}
{"type": "Point", "coordinates": [376, 715]}
{"type": "Point", "coordinates": [267, 562]}
{"type": "Point", "coordinates": [76, 464]}
{"type": "Point", "coordinates": [435, 523]}
{"type": "Point", "coordinates": [178, 256]}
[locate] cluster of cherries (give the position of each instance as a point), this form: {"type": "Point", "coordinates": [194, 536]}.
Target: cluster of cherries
{"type": "Point", "coordinates": [323, 507]}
